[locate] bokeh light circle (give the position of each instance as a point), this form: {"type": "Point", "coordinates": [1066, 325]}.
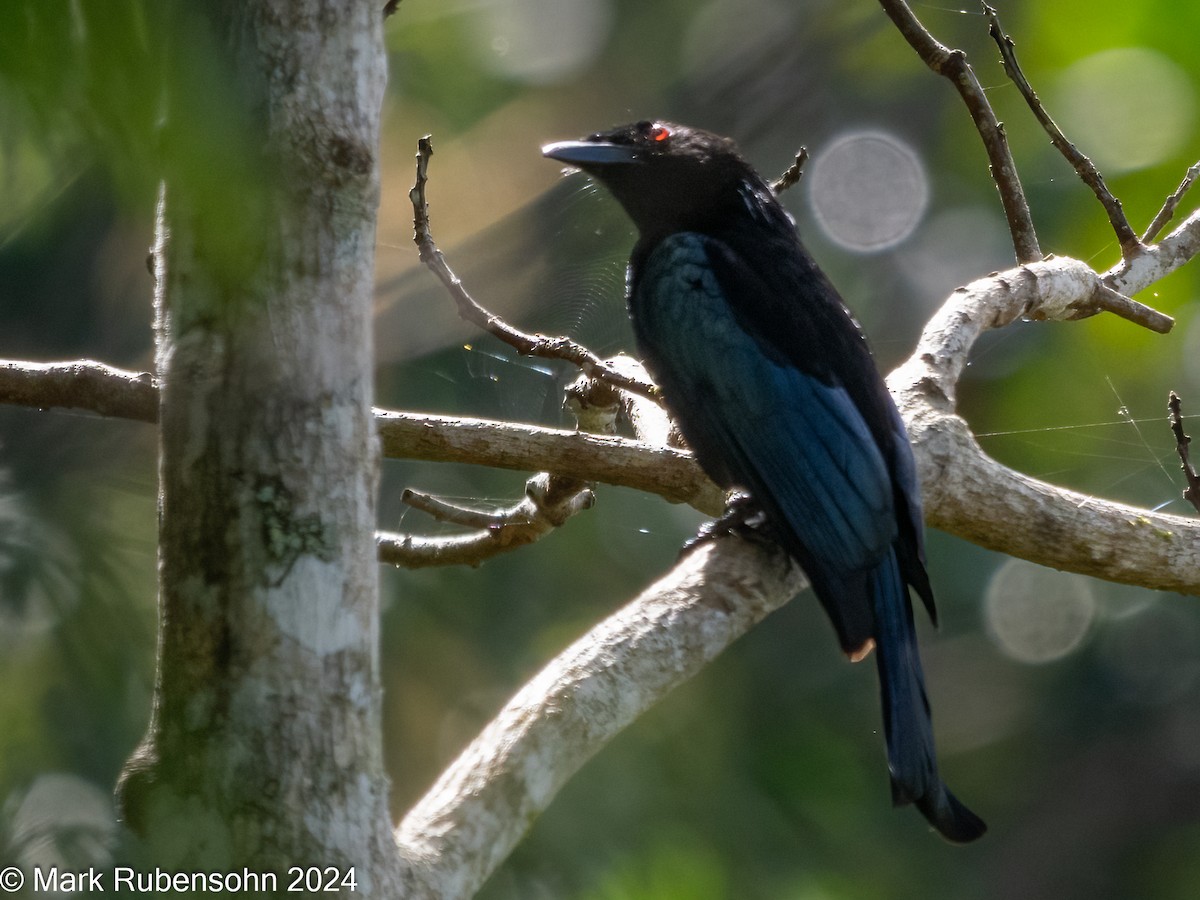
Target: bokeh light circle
{"type": "Point", "coordinates": [1191, 344]}
{"type": "Point", "coordinates": [1126, 108]}
{"type": "Point", "coordinates": [1035, 614]}
{"type": "Point", "coordinates": [61, 821]}
{"type": "Point", "coordinates": [868, 191]}
{"type": "Point", "coordinates": [541, 41]}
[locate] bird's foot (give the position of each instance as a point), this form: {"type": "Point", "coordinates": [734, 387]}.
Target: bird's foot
{"type": "Point", "coordinates": [741, 517]}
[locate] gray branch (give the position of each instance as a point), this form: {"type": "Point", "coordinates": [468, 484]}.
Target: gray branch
{"type": "Point", "coordinates": [481, 806]}
{"type": "Point", "coordinates": [969, 494]}
{"type": "Point", "coordinates": [548, 502]}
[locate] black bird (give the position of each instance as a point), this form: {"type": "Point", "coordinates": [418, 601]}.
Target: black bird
{"type": "Point", "coordinates": [770, 380]}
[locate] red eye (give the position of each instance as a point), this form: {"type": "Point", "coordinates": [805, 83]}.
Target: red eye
{"type": "Point", "coordinates": [659, 133]}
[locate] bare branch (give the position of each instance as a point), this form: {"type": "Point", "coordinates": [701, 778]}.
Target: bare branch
{"type": "Point", "coordinates": [1158, 260]}
{"type": "Point", "coordinates": [1169, 206]}
{"type": "Point", "coordinates": [414, 551]}
{"type": "Point", "coordinates": [81, 384]}
{"type": "Point", "coordinates": [971, 495]}
{"type": "Point", "coordinates": [1105, 299]}
{"type": "Point", "coordinates": [1090, 175]}
{"type": "Point", "coordinates": [480, 807]}
{"type": "Point", "coordinates": [966, 493]}
{"type": "Point", "coordinates": [952, 64]}
{"type": "Point", "coordinates": [1192, 493]}
{"type": "Point", "coordinates": [466, 516]}
{"type": "Point", "coordinates": [670, 473]}
{"type": "Point", "coordinates": [538, 345]}
{"type": "Point", "coordinates": [657, 469]}
{"type": "Point", "coordinates": [549, 501]}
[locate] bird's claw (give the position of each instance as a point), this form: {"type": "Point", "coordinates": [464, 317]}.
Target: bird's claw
{"type": "Point", "coordinates": [741, 517]}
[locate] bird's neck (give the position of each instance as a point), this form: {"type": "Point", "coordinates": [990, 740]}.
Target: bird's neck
{"type": "Point", "coordinates": [741, 210]}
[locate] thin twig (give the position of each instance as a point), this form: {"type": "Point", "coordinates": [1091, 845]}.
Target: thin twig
{"type": "Point", "coordinates": [1170, 205]}
{"type": "Point", "coordinates": [1105, 299]}
{"type": "Point", "coordinates": [1192, 493]}
{"type": "Point", "coordinates": [792, 175]}
{"type": "Point", "coordinates": [549, 501]}
{"type": "Point", "coordinates": [1087, 171]}
{"type": "Point", "coordinates": [411, 551]}
{"type": "Point", "coordinates": [538, 345]}
{"type": "Point", "coordinates": [952, 64]}
{"type": "Point", "coordinates": [468, 517]}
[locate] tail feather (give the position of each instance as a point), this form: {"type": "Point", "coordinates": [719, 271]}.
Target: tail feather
{"type": "Point", "coordinates": [908, 726]}
{"type": "Point", "coordinates": [953, 821]}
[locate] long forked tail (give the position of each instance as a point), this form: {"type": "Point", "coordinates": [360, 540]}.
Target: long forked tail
{"type": "Point", "coordinates": [912, 759]}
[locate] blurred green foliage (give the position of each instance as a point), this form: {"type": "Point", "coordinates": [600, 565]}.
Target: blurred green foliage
{"type": "Point", "coordinates": [765, 776]}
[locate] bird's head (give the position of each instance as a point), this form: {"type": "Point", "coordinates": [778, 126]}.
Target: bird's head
{"type": "Point", "coordinates": [668, 177]}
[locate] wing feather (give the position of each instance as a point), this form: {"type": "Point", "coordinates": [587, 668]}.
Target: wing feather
{"type": "Point", "coordinates": [799, 445]}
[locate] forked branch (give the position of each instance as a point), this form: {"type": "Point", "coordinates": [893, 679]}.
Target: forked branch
{"type": "Point", "coordinates": [548, 502]}
{"type": "Point", "coordinates": [1084, 168]}
{"type": "Point", "coordinates": [1167, 212]}
{"type": "Point", "coordinates": [953, 65]}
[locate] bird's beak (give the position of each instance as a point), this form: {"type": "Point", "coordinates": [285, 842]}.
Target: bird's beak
{"type": "Point", "coordinates": [589, 153]}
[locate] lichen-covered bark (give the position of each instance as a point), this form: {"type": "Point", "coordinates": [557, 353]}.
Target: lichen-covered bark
{"type": "Point", "coordinates": [264, 750]}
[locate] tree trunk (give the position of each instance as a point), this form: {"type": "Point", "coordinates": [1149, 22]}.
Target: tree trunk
{"type": "Point", "coordinates": [264, 750]}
